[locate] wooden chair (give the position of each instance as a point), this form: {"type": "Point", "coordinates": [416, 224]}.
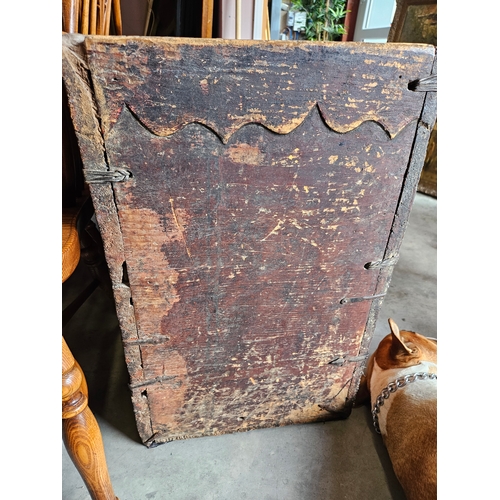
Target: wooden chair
{"type": "Point", "coordinates": [81, 433]}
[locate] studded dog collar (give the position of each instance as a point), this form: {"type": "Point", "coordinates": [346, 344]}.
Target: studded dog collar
{"type": "Point", "coordinates": [393, 387]}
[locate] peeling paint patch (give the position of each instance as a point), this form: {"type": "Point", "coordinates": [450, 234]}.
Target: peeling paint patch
{"type": "Point", "coordinates": [246, 154]}
{"type": "Point", "coordinates": [311, 242]}
{"type": "Point", "coordinates": [277, 228]}
{"type": "Point", "coordinates": [351, 162]}
{"type": "Point", "coordinates": [349, 209]}
{"type": "Point", "coordinates": [148, 266]}
{"type": "Point", "coordinates": [204, 86]}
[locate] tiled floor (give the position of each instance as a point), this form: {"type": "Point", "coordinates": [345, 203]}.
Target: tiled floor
{"type": "Point", "coordinates": [335, 460]}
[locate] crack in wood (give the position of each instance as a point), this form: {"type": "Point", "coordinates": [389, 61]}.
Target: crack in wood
{"type": "Point", "coordinates": [156, 380]}
{"type": "Point", "coordinates": [179, 227]}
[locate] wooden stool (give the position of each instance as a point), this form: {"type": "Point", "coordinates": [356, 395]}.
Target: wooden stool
{"type": "Point", "coordinates": [81, 434]}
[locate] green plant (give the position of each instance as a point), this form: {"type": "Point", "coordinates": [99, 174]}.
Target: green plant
{"type": "Point", "coordinates": [324, 18]}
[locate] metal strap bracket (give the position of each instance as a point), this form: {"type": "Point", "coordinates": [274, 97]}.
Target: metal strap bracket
{"type": "Point", "coordinates": [391, 261]}
{"type": "Point", "coordinates": [103, 176]}
{"type": "Point", "coordinates": [341, 360]}
{"type": "Point", "coordinates": [347, 300]}
{"type": "Point", "coordinates": [427, 84]}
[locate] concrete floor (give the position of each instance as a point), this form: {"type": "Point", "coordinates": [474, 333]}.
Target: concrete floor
{"type": "Point", "coordinates": [334, 460]}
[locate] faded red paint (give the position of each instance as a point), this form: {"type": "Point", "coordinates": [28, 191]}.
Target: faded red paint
{"type": "Point", "coordinates": [241, 244]}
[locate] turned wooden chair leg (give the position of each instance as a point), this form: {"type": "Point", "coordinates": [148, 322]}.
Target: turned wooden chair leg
{"type": "Point", "coordinates": [81, 433]}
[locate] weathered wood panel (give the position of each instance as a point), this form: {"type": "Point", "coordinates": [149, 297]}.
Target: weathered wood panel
{"type": "Point", "coordinates": [267, 182]}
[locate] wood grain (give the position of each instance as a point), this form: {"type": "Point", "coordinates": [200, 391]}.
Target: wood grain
{"type": "Point", "coordinates": [70, 16]}
{"type": "Point", "coordinates": [207, 18]}
{"type": "Point", "coordinates": [83, 441]}
{"type": "Point", "coordinates": [81, 434]}
{"type": "Point", "coordinates": [117, 15]}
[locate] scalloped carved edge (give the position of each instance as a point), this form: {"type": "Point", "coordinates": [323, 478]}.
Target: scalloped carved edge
{"type": "Point", "coordinates": [225, 138]}
{"type": "Point", "coordinates": [72, 50]}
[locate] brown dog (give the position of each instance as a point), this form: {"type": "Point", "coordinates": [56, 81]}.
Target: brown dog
{"type": "Point", "coordinates": [401, 381]}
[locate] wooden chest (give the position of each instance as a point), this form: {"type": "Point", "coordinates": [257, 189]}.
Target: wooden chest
{"type": "Point", "coordinates": [252, 198]}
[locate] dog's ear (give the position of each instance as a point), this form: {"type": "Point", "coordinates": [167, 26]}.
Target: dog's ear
{"type": "Point", "coordinates": [398, 346]}
{"type": "Point", "coordinates": [397, 341]}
